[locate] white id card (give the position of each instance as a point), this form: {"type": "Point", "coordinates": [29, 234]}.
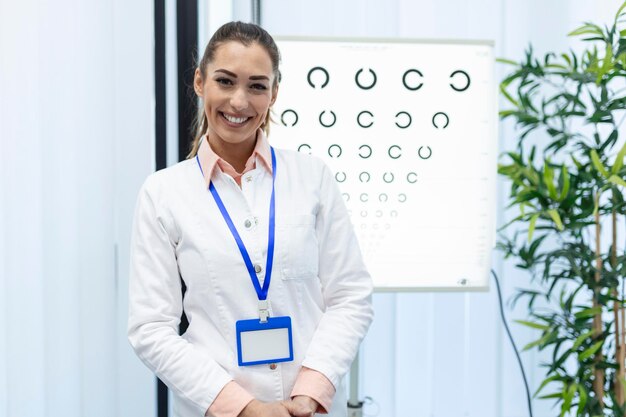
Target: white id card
{"type": "Point", "coordinates": [268, 342]}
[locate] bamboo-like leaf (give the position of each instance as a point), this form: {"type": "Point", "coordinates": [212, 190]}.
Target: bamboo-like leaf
{"type": "Point", "coordinates": [553, 395]}
{"type": "Point", "coordinates": [533, 324]}
{"type": "Point", "coordinates": [506, 61]}
{"type": "Point", "coordinates": [543, 339]}
{"type": "Point", "coordinates": [565, 180]}
{"type": "Point", "coordinates": [595, 160]}
{"type": "Point", "coordinates": [556, 218]}
{"type": "Point", "coordinates": [580, 339]}
{"type": "Point", "coordinates": [506, 113]}
{"type": "Point", "coordinates": [590, 351]}
{"type": "Point", "coordinates": [617, 180]}
{"type": "Point", "coordinates": [546, 382]}
{"type": "Point", "coordinates": [567, 59]}
{"type": "Point", "coordinates": [619, 160]}
{"type": "Point", "coordinates": [548, 179]}
{"type": "Point", "coordinates": [607, 63]}
{"type": "Point", "coordinates": [619, 11]}
{"type": "Point", "coordinates": [588, 312]}
{"type": "Point", "coordinates": [568, 396]}
{"type": "Point", "coordinates": [531, 226]}
{"type": "Point", "coordinates": [586, 29]}
{"type": "Point", "coordinates": [508, 96]}
{"type": "Point", "coordinates": [582, 400]}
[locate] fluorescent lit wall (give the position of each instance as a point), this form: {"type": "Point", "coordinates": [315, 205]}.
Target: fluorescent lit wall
{"type": "Point", "coordinates": [76, 98]}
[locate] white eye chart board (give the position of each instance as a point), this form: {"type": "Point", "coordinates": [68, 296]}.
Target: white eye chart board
{"type": "Point", "coordinates": [409, 128]}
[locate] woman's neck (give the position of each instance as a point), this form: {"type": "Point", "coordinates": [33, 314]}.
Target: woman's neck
{"type": "Point", "coordinates": [236, 154]}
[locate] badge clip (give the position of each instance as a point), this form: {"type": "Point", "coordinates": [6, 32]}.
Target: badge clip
{"type": "Point", "coordinates": [264, 311]}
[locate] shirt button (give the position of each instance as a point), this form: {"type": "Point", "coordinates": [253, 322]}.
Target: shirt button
{"type": "Point", "coordinates": [248, 179]}
{"type": "Point", "coordinates": [272, 366]}
{"type": "Point", "coordinates": [248, 224]}
{"type": "Point", "coordinates": [257, 268]}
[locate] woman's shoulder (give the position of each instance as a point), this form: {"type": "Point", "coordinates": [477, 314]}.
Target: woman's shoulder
{"type": "Point", "coordinates": [172, 178]}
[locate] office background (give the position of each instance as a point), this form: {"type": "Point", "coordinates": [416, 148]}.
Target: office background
{"type": "Point", "coordinates": [77, 138]}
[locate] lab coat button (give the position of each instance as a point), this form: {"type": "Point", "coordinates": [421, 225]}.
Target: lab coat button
{"type": "Point", "coordinates": [257, 268]}
{"type": "Point", "coordinates": [248, 178]}
{"type": "Point", "coordinates": [272, 366]}
{"type": "Point", "coordinates": [248, 224]}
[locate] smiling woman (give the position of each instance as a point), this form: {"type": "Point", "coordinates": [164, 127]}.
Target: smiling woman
{"type": "Point", "coordinates": [269, 216]}
{"type": "Point", "coordinates": [236, 58]}
{"type": "Point", "coordinates": [238, 86]}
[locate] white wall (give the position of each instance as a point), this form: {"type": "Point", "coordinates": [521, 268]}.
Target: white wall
{"type": "Point", "coordinates": [76, 98]}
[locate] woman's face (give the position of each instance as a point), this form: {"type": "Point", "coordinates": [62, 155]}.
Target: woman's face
{"type": "Point", "coordinates": [237, 92]}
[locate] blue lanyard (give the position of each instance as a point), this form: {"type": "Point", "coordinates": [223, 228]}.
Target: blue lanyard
{"type": "Point", "coordinates": [260, 291]}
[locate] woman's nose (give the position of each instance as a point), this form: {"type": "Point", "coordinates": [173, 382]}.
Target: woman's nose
{"type": "Point", "coordinates": [239, 99]}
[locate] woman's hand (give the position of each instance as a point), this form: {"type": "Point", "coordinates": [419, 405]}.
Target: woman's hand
{"type": "Point", "coordinates": [256, 408]}
{"type": "Point", "coordinates": [301, 406]}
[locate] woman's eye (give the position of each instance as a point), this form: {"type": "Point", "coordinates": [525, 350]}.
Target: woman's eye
{"type": "Point", "coordinates": [259, 87]}
{"type": "Point", "coordinates": [224, 81]}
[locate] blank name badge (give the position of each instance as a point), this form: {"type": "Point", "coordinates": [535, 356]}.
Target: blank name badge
{"type": "Point", "coordinates": [268, 342]}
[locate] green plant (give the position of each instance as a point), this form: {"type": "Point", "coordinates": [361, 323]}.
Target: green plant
{"type": "Point", "coordinates": [568, 187]}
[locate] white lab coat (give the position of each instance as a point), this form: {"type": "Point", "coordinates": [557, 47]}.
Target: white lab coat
{"type": "Point", "coordinates": [319, 279]}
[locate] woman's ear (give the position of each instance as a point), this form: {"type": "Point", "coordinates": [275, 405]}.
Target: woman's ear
{"type": "Point", "coordinates": [198, 82]}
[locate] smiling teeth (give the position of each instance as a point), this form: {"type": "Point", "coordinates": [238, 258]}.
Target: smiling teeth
{"type": "Point", "coordinates": [238, 120]}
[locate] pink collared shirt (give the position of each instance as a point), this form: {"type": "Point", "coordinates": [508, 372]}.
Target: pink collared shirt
{"type": "Point", "coordinates": [210, 160]}
{"type": "Point", "coordinates": [233, 398]}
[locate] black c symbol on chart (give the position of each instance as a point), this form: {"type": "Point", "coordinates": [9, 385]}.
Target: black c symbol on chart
{"type": "Point", "coordinates": [419, 152]}
{"type": "Point", "coordinates": [441, 114]}
{"type": "Point", "coordinates": [304, 145]}
{"type": "Point", "coordinates": [366, 147]}
{"type": "Point", "coordinates": [396, 156]}
{"type": "Point", "coordinates": [358, 119]}
{"type": "Point", "coordinates": [405, 125]}
{"type": "Point", "coordinates": [343, 177]}
{"type": "Point", "coordinates": [322, 69]}
{"type": "Point", "coordinates": [411, 177]}
{"type": "Point", "coordinates": [407, 86]}
{"type": "Point", "coordinates": [467, 78]}
{"type": "Point", "coordinates": [361, 176]}
{"type": "Point", "coordinates": [385, 177]}
{"type": "Point", "coordinates": [331, 147]}
{"type": "Point", "coordinates": [331, 124]}
{"type": "Point", "coordinates": [365, 87]}
{"type": "Point", "coordinates": [282, 117]}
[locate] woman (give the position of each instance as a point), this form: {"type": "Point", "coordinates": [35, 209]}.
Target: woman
{"type": "Point", "coordinates": [260, 237]}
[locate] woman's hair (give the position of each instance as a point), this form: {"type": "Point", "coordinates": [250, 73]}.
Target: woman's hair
{"type": "Point", "coordinates": [247, 34]}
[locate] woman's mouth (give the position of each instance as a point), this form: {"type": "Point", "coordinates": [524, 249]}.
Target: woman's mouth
{"type": "Point", "coordinates": [234, 119]}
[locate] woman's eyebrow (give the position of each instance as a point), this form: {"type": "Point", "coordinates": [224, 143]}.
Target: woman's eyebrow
{"type": "Point", "coordinates": [252, 77]}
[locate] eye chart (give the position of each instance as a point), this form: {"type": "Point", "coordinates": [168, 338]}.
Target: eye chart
{"type": "Point", "coordinates": [409, 129]}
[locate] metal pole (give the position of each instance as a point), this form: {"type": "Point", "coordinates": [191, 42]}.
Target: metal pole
{"type": "Point", "coordinates": [355, 406]}
{"type": "Point", "coordinates": [256, 12]}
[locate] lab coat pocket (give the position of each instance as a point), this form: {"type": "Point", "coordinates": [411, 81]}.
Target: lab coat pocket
{"type": "Point", "coordinates": [299, 257]}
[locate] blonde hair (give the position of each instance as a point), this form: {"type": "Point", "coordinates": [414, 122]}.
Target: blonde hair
{"type": "Point", "coordinates": [245, 33]}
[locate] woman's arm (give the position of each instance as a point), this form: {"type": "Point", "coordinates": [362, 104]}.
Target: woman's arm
{"type": "Point", "coordinates": [155, 306]}
{"type": "Point", "coordinates": [346, 287]}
